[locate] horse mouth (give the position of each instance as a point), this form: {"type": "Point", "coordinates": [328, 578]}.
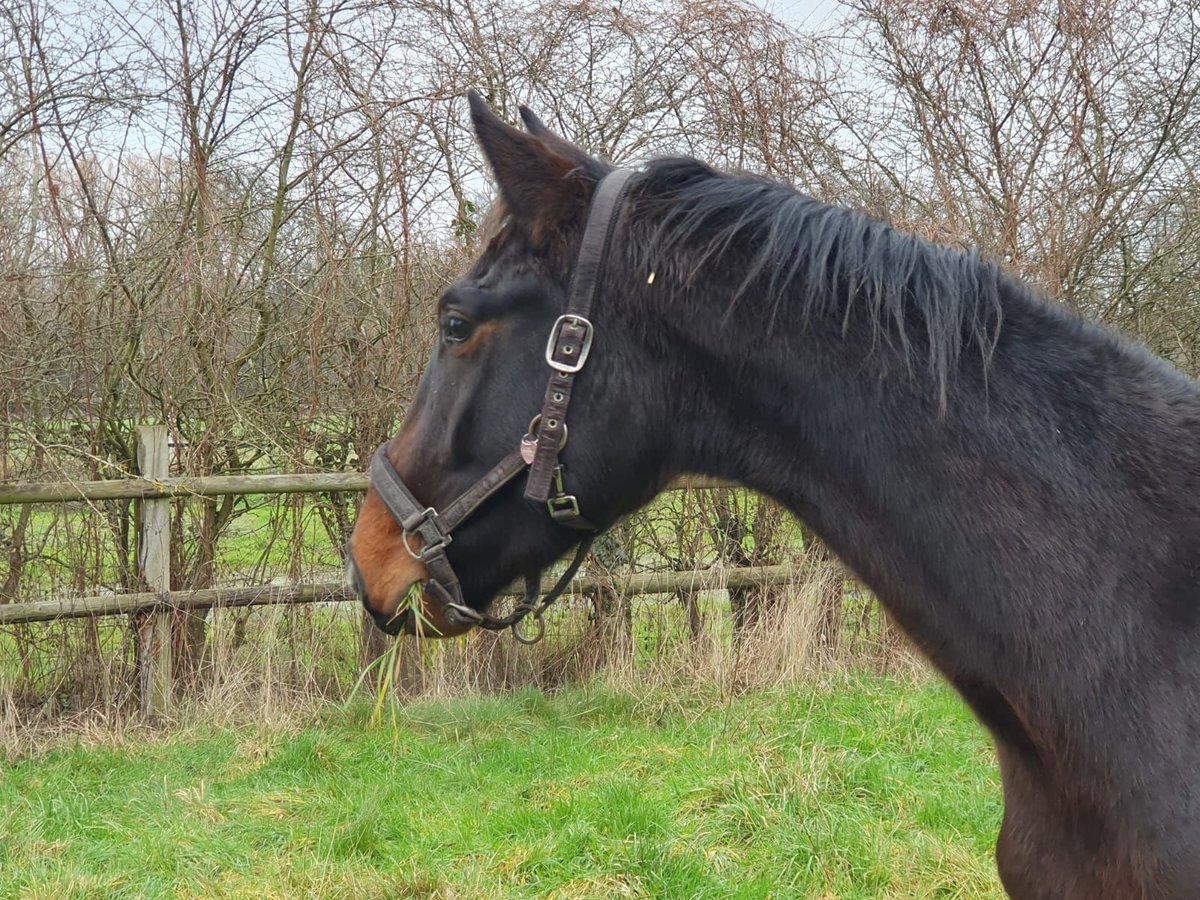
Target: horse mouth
{"type": "Point", "coordinates": [419, 614]}
{"type": "Point", "coordinates": [400, 622]}
{"type": "Point", "coordinates": [390, 618]}
{"type": "Point", "coordinates": [407, 615]}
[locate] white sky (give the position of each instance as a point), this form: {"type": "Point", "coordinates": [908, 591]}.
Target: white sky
{"type": "Point", "coordinates": [807, 14]}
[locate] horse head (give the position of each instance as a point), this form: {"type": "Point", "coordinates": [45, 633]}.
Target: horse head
{"type": "Point", "coordinates": [485, 383]}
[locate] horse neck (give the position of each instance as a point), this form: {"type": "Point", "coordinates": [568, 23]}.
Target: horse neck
{"type": "Point", "coordinates": [981, 514]}
{"type": "Point", "coordinates": [821, 416]}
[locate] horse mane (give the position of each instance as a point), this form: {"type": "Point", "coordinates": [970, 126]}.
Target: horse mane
{"type": "Point", "coordinates": [920, 298]}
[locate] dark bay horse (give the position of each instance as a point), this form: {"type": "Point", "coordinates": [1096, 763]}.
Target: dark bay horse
{"type": "Point", "coordinates": [1020, 488]}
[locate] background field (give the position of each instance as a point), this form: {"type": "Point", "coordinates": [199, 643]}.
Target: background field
{"type": "Point", "coordinates": [849, 787]}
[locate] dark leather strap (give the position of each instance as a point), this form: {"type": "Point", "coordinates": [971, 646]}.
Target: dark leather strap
{"type": "Point", "coordinates": [571, 339]}
{"type": "Point", "coordinates": [501, 474]}
{"type": "Point", "coordinates": [566, 354]}
{"type": "Point", "coordinates": [434, 528]}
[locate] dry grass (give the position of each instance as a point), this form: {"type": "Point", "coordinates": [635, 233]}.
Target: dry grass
{"type": "Point", "coordinates": [280, 667]}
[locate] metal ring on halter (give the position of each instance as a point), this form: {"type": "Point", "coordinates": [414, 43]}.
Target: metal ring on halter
{"type": "Point", "coordinates": [537, 420]}
{"type": "Point", "coordinates": [428, 548]}
{"type": "Point", "coordinates": [518, 628]}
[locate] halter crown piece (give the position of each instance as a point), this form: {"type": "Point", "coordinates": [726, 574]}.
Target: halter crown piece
{"type": "Point", "coordinates": [567, 352]}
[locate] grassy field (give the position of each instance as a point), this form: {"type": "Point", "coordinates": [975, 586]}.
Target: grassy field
{"type": "Point", "coordinates": [858, 787]}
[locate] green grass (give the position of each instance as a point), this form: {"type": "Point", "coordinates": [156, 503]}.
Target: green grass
{"type": "Point", "coordinates": [865, 787]}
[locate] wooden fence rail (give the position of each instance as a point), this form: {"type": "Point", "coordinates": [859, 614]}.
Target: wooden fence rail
{"type": "Point", "coordinates": [336, 591]}
{"type": "Point", "coordinates": [220, 485]}
{"type": "Point", "coordinates": [152, 608]}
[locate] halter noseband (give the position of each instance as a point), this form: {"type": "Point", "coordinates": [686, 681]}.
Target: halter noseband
{"type": "Point", "coordinates": [567, 352]}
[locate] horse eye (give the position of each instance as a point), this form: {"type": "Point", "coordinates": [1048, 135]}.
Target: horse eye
{"type": "Point", "coordinates": [456, 329]}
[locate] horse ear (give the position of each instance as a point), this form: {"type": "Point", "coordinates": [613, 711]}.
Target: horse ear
{"type": "Point", "coordinates": [541, 177]}
{"type": "Point", "coordinates": [533, 124]}
{"type": "Point", "coordinates": [560, 145]}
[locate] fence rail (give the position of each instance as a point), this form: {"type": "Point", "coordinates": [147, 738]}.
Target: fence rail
{"type": "Point", "coordinates": [221, 485]}
{"type": "Point", "coordinates": [338, 591]}
{"type": "Point", "coordinates": [152, 609]}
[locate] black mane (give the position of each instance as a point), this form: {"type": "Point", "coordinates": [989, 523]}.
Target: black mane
{"type": "Point", "coordinates": [927, 301]}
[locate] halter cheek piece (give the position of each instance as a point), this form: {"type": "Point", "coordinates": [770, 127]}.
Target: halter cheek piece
{"type": "Point", "coordinates": [567, 351]}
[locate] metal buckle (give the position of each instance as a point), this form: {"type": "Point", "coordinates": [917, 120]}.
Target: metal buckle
{"type": "Point", "coordinates": [563, 506]}
{"type": "Point", "coordinates": [584, 348]}
{"type": "Point", "coordinates": [412, 526]}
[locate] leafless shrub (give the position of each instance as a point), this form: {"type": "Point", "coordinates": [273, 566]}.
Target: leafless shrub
{"type": "Point", "coordinates": [235, 220]}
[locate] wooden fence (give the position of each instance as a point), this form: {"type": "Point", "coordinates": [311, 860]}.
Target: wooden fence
{"type": "Point", "coordinates": [153, 608]}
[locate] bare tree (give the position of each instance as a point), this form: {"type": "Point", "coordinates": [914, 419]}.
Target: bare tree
{"type": "Point", "coordinates": [1059, 137]}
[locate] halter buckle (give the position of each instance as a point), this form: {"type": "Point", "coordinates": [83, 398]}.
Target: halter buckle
{"type": "Point", "coordinates": [580, 352]}
{"type": "Point", "coordinates": [563, 506]}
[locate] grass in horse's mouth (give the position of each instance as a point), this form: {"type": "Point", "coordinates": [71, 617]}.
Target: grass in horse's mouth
{"type": "Point", "coordinates": [411, 602]}
{"type": "Point", "coordinates": [386, 665]}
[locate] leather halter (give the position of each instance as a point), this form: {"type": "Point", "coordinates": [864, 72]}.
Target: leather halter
{"type": "Point", "coordinates": [567, 351]}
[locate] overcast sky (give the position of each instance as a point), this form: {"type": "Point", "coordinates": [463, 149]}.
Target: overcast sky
{"type": "Point", "coordinates": [810, 13]}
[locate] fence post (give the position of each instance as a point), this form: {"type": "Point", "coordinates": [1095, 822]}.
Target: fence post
{"type": "Point", "coordinates": [155, 665]}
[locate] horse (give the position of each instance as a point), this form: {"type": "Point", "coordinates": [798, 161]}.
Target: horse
{"type": "Point", "coordinates": [1018, 486]}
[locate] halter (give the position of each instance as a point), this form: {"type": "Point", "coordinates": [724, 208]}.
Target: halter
{"type": "Point", "coordinates": [567, 351]}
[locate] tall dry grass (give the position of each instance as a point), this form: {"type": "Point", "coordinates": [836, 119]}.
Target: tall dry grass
{"type": "Point", "coordinates": [281, 665]}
